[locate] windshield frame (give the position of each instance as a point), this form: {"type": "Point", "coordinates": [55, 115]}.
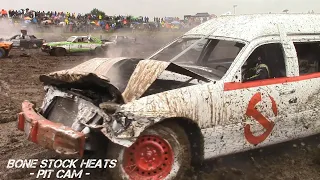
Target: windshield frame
{"type": "Point", "coordinates": [199, 38]}
{"type": "Point", "coordinates": [164, 47]}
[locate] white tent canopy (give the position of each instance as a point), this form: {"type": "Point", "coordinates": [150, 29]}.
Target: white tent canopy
{"type": "Point", "coordinates": [227, 13]}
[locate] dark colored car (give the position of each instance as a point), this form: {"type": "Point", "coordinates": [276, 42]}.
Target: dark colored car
{"type": "Point", "coordinates": [27, 41]}
{"type": "Point", "coordinates": [122, 39]}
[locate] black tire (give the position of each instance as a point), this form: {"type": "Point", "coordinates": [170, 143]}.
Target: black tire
{"type": "Point", "coordinates": [99, 52]}
{"type": "Point", "coordinates": [52, 53]}
{"type": "Point", "coordinates": [172, 163]}
{"type": "Point", "coordinates": [7, 53]}
{"type": "Point", "coordinates": [60, 52]}
{"type": "Point", "coordinates": [2, 53]}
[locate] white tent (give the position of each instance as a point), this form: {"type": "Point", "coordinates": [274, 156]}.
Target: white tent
{"type": "Point", "coordinates": [227, 13]}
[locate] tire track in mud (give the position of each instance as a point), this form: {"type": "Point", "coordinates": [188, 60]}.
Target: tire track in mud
{"type": "Point", "coordinates": [19, 81]}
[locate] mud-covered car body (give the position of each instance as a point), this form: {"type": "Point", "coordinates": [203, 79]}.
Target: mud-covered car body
{"type": "Point", "coordinates": [203, 91]}
{"type": "Point", "coordinates": [26, 41]}
{"type": "Point", "coordinates": [75, 44]}
{"type": "Point", "coordinates": [5, 48]}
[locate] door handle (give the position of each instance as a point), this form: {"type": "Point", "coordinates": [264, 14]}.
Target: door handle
{"type": "Point", "coordinates": [286, 92]}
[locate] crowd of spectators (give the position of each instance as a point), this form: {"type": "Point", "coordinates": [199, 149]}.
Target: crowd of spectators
{"type": "Point", "coordinates": [88, 22]}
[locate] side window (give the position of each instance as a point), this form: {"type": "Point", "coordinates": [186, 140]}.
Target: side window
{"type": "Point", "coordinates": [265, 62]}
{"type": "Point", "coordinates": [78, 40]}
{"type": "Point", "coordinates": [85, 40]}
{"type": "Point", "coordinates": [308, 57]}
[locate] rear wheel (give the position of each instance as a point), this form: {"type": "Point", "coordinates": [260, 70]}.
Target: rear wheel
{"type": "Point", "coordinates": [31, 46]}
{"type": "Point", "coordinates": [2, 53]}
{"type": "Point", "coordinates": [160, 152]}
{"type": "Point", "coordinates": [60, 52]}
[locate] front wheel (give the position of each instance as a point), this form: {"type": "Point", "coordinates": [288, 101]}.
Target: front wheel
{"type": "Point", "coordinates": [52, 53]}
{"type": "Point", "coordinates": [31, 46]}
{"type": "Point", "coordinates": [60, 52]}
{"type": "Point", "coordinates": [160, 152]}
{"type": "Point", "coordinates": [99, 52]}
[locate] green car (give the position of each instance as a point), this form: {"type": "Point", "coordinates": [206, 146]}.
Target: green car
{"type": "Point", "coordinates": [76, 44]}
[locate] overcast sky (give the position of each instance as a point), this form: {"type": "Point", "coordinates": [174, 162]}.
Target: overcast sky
{"type": "Point", "coordinates": [166, 7]}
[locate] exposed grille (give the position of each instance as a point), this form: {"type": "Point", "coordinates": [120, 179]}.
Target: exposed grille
{"type": "Point", "coordinates": [63, 110]}
{"type": "Point", "coordinates": [67, 111]}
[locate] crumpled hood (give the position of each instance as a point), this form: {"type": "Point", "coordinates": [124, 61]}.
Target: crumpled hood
{"type": "Point", "coordinates": [131, 77]}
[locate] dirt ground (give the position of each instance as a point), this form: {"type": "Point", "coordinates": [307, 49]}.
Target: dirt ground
{"type": "Point", "coordinates": [296, 160]}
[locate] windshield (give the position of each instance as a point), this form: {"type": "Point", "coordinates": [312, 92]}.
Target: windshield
{"type": "Point", "coordinates": [209, 57]}
{"type": "Point", "coordinates": [178, 46]}
{"type": "Point", "coordinates": [71, 39]}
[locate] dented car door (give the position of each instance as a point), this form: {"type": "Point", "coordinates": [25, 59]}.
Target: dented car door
{"type": "Point", "coordinates": [260, 111]}
{"type": "Point", "coordinates": [307, 90]}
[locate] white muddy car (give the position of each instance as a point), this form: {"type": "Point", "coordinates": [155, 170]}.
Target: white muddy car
{"type": "Point", "coordinates": [186, 103]}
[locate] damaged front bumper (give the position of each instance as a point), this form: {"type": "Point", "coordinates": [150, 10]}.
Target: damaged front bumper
{"type": "Point", "coordinates": [46, 48]}
{"type": "Point", "coordinates": [48, 134]}
{"type": "Point", "coordinates": [68, 124]}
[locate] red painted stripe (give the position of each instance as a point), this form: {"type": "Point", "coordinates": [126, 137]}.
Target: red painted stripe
{"type": "Point", "coordinates": [21, 121]}
{"type": "Point", "coordinates": [236, 85]}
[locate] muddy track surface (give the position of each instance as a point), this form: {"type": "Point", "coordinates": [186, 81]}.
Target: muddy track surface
{"type": "Point", "coordinates": [19, 81]}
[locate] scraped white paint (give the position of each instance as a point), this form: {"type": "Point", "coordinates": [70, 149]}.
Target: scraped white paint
{"type": "Point", "coordinates": [221, 114]}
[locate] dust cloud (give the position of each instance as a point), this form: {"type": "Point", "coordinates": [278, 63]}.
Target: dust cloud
{"type": "Point", "coordinates": [7, 29]}
{"type": "Point", "coordinates": [146, 42]}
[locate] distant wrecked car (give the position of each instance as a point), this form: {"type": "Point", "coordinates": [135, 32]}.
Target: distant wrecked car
{"type": "Point", "coordinates": [76, 44]}
{"type": "Point", "coordinates": [26, 41]}
{"type": "Point", "coordinates": [182, 105]}
{"type": "Point", "coordinates": [5, 48]}
{"type": "Point", "coordinates": [119, 40]}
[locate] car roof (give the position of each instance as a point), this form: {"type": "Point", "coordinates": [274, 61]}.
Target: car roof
{"type": "Point", "coordinates": [25, 35]}
{"type": "Point", "coordinates": [249, 27]}
{"type": "Point", "coordinates": [79, 36]}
